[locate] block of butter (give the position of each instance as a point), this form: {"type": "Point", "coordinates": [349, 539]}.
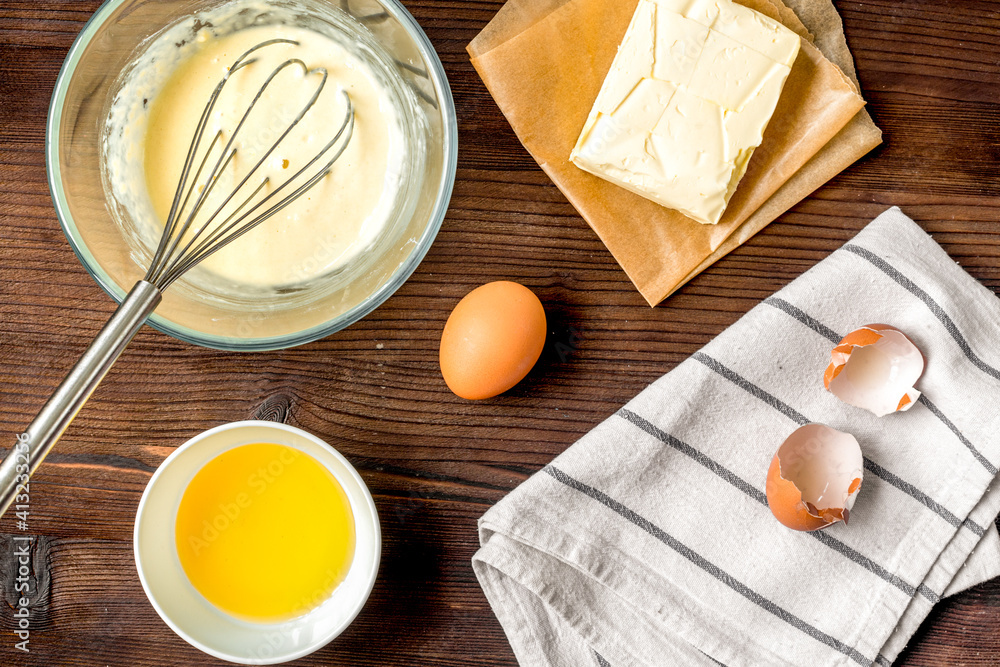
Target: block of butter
{"type": "Point", "coordinates": [686, 102]}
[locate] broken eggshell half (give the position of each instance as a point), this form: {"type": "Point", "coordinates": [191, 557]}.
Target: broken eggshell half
{"type": "Point", "coordinates": [814, 477]}
{"type": "Point", "coordinates": [875, 368]}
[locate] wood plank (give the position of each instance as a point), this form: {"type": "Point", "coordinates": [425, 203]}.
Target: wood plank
{"type": "Point", "coordinates": [435, 463]}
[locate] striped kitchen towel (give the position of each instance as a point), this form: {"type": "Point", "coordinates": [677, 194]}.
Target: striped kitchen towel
{"type": "Point", "coordinates": [649, 541]}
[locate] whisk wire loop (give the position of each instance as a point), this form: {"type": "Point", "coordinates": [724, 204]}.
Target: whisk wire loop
{"type": "Point", "coordinates": [230, 229]}
{"type": "Point", "coordinates": [187, 240]}
{"type": "Point", "coordinates": [170, 236]}
{"type": "Point", "coordinates": [230, 151]}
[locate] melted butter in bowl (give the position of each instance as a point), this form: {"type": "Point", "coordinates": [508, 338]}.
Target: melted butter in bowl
{"type": "Point", "coordinates": [257, 542]}
{"type": "Point", "coordinates": [334, 221]}
{"type": "Point", "coordinates": [259, 514]}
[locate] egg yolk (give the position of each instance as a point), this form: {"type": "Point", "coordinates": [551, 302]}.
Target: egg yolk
{"type": "Point", "coordinates": [265, 532]}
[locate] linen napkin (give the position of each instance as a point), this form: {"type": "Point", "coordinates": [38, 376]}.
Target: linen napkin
{"type": "Point", "coordinates": [649, 541]}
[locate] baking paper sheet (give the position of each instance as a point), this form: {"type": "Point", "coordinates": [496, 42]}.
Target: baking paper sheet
{"type": "Point", "coordinates": [544, 62]}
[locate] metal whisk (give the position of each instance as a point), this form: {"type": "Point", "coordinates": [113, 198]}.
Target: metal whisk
{"type": "Point", "coordinates": [191, 234]}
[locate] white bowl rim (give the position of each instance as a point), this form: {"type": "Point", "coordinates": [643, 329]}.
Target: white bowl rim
{"type": "Point", "coordinates": [278, 657]}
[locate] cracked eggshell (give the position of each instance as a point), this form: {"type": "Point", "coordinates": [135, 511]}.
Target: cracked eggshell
{"type": "Point", "coordinates": [814, 477]}
{"type": "Point", "coordinates": [875, 368]}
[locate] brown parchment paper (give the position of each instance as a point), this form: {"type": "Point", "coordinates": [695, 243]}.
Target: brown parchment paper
{"type": "Point", "coordinates": [819, 22]}
{"type": "Point", "coordinates": [544, 62]}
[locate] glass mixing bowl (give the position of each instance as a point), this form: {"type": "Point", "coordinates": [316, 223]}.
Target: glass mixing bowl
{"type": "Point", "coordinates": [93, 220]}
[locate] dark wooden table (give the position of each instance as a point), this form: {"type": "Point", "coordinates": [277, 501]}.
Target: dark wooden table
{"type": "Point", "coordinates": [435, 463]}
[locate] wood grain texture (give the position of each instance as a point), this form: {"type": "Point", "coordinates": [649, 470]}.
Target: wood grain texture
{"type": "Point", "coordinates": [435, 463]}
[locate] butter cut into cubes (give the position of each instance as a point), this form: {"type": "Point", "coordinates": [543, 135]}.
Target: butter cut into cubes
{"type": "Point", "coordinates": [685, 104]}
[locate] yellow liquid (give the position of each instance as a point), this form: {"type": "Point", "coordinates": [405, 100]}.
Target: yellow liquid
{"type": "Point", "coordinates": [265, 532]}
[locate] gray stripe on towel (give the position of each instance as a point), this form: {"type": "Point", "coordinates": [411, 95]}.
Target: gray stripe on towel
{"type": "Point", "coordinates": [974, 527]}
{"type": "Point", "coordinates": [805, 318]}
{"type": "Point", "coordinates": [990, 468]}
{"type": "Point", "coordinates": [931, 304]}
{"type": "Point", "coordinates": [760, 497]}
{"type": "Point", "coordinates": [828, 333]}
{"type": "Point", "coordinates": [795, 416]}
{"type": "Point", "coordinates": [751, 388]}
{"type": "Point", "coordinates": [689, 451]}
{"type": "Point", "coordinates": [913, 492]}
{"type": "Point", "coordinates": [707, 566]}
{"type": "Point", "coordinates": [929, 594]}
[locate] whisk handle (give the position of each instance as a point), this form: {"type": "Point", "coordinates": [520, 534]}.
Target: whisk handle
{"type": "Point", "coordinates": [35, 443]}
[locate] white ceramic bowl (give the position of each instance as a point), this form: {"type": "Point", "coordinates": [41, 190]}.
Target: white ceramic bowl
{"type": "Point", "coordinates": [195, 619]}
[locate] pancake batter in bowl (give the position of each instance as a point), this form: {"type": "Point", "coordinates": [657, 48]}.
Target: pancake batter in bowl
{"type": "Point", "coordinates": [322, 231]}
